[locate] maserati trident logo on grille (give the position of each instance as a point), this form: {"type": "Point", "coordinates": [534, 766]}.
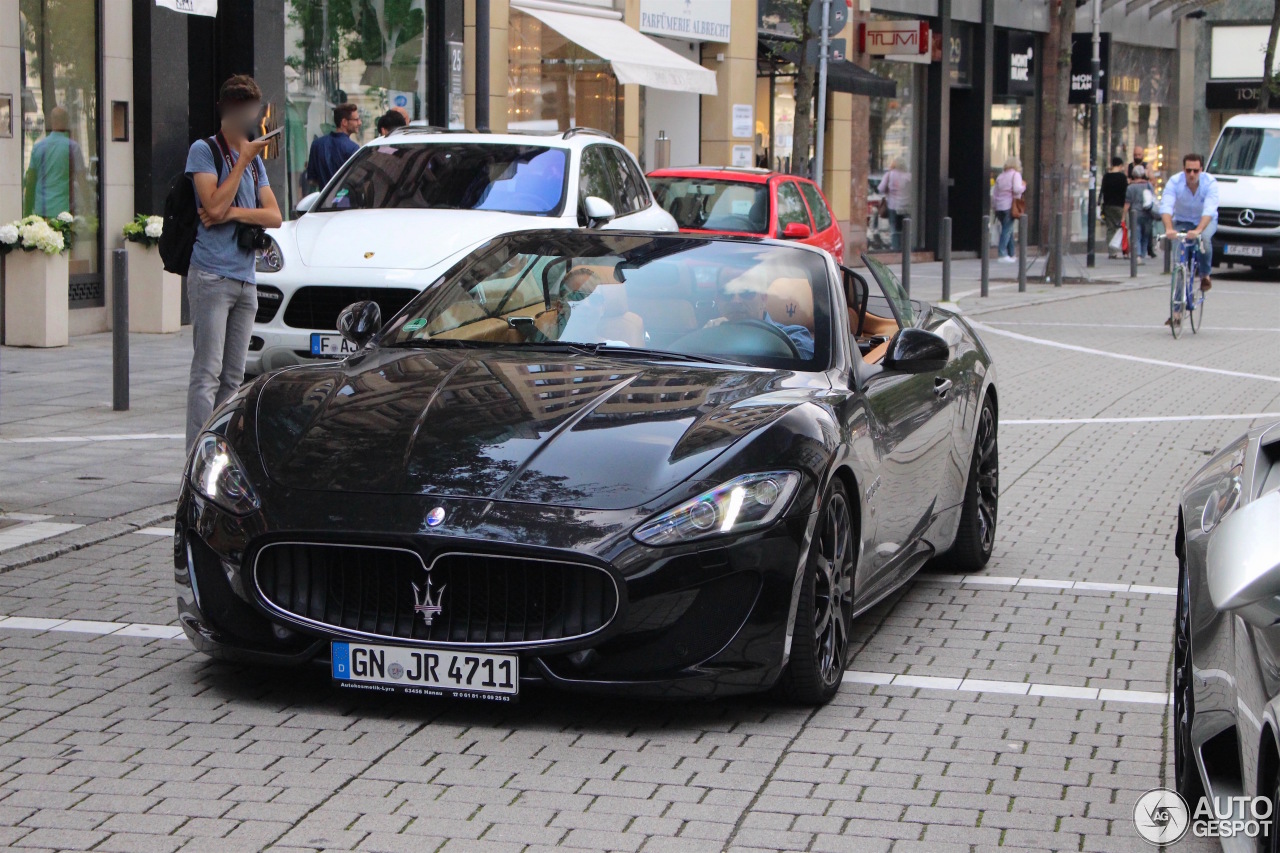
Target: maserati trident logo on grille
{"type": "Point", "coordinates": [424, 604]}
{"type": "Point", "coordinates": [1246, 217]}
{"type": "Point", "coordinates": [435, 517]}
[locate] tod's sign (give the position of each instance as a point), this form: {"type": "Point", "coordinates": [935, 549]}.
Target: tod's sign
{"type": "Point", "coordinates": [894, 38]}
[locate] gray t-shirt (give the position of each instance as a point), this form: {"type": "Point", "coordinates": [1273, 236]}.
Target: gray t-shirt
{"type": "Point", "coordinates": [1133, 198]}
{"type": "Point", "coordinates": [215, 250]}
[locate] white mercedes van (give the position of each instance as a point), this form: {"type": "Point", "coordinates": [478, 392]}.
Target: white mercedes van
{"type": "Point", "coordinates": [1246, 162]}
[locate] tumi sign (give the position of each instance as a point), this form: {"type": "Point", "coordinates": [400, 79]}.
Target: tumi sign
{"type": "Point", "coordinates": [894, 38]}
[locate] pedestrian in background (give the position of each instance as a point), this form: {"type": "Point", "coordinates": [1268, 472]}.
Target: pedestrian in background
{"type": "Point", "coordinates": [389, 121]}
{"type": "Point", "coordinates": [235, 202]}
{"type": "Point", "coordinates": [57, 165]}
{"type": "Point", "coordinates": [330, 151]}
{"type": "Point", "coordinates": [1114, 186]}
{"type": "Point", "coordinates": [1009, 186]}
{"type": "Point", "coordinates": [895, 186]}
{"type": "Point", "coordinates": [1139, 159]}
{"type": "Point", "coordinates": [1140, 196]}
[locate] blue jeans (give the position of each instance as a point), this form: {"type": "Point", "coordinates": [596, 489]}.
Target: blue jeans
{"type": "Point", "coordinates": [1004, 246]}
{"type": "Point", "coordinates": [222, 312]}
{"type": "Point", "coordinates": [1140, 239]}
{"type": "Point", "coordinates": [1204, 260]}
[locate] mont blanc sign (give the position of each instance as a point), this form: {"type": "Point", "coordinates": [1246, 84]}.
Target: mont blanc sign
{"type": "Point", "coordinates": [705, 20]}
{"type": "Point", "coordinates": [894, 38]}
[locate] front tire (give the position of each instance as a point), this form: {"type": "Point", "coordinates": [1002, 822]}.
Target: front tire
{"type": "Point", "coordinates": [820, 648]}
{"type": "Point", "coordinates": [1186, 773]}
{"type": "Point", "coordinates": [976, 537]}
{"type": "Point", "coordinates": [1177, 300]}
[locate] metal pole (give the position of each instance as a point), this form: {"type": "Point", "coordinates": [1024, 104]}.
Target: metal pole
{"type": "Point", "coordinates": [1022, 255]}
{"type": "Point", "coordinates": [984, 252]}
{"type": "Point", "coordinates": [482, 64]}
{"type": "Point", "coordinates": [1091, 237]}
{"type": "Point", "coordinates": [119, 330]}
{"type": "Point", "coordinates": [1168, 257]}
{"type": "Point", "coordinates": [1057, 248]}
{"type": "Point", "coordinates": [946, 259]}
{"type": "Point", "coordinates": [824, 47]}
{"type": "Point", "coordinates": [906, 254]}
{"type": "Point", "coordinates": [1133, 242]}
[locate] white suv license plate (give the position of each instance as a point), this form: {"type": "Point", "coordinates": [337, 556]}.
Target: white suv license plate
{"type": "Point", "coordinates": [331, 346]}
{"type": "Point", "coordinates": [426, 671]}
{"type": "Point", "coordinates": [1244, 251]}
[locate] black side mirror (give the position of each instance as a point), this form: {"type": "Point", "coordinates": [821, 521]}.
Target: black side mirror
{"type": "Point", "coordinates": [360, 321]}
{"type": "Point", "coordinates": [917, 351]}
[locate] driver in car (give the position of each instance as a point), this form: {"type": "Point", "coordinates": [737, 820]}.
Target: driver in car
{"type": "Point", "coordinates": [743, 298]}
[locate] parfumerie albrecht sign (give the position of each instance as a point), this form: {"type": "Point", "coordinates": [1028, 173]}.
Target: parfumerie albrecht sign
{"type": "Point", "coordinates": [704, 20]}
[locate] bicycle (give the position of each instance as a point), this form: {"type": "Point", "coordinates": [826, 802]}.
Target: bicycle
{"type": "Point", "coordinates": [1185, 299]}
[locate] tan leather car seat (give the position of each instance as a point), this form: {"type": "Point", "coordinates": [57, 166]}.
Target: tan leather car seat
{"type": "Point", "coordinates": [789, 302]}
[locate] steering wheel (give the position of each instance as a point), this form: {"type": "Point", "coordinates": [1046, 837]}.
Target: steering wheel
{"type": "Point", "coordinates": [771, 329]}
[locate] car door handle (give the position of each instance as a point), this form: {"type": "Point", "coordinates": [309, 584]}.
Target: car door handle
{"type": "Point", "coordinates": [941, 387]}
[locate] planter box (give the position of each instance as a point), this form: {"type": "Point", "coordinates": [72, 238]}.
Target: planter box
{"type": "Point", "coordinates": [155, 296]}
{"type": "Point", "coordinates": [35, 299]}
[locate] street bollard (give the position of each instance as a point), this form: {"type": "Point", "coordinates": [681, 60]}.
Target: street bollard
{"type": "Point", "coordinates": [1022, 255]}
{"type": "Point", "coordinates": [119, 330]}
{"type": "Point", "coordinates": [1057, 249]}
{"type": "Point", "coordinates": [946, 259]}
{"type": "Point", "coordinates": [906, 254]}
{"type": "Point", "coordinates": [1133, 242]}
{"type": "Point", "coordinates": [985, 254]}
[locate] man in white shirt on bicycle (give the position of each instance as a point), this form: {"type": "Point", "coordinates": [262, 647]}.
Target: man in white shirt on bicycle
{"type": "Point", "coordinates": [1190, 203]}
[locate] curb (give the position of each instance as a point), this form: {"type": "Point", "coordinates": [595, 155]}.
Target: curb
{"type": "Point", "coordinates": [84, 537]}
{"type": "Point", "coordinates": [1048, 300]}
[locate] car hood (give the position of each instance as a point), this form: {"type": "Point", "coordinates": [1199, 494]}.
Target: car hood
{"type": "Point", "coordinates": [1247, 191]}
{"type": "Point", "coordinates": [398, 239]}
{"type": "Point", "coordinates": [589, 432]}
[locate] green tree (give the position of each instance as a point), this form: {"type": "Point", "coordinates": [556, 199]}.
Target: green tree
{"type": "Point", "coordinates": [1269, 82]}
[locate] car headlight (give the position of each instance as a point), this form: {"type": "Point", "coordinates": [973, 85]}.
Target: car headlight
{"type": "Point", "coordinates": [270, 259]}
{"type": "Point", "coordinates": [743, 503]}
{"type": "Point", "coordinates": [217, 474]}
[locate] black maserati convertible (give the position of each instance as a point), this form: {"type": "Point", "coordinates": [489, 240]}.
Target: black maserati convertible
{"type": "Point", "coordinates": [666, 465]}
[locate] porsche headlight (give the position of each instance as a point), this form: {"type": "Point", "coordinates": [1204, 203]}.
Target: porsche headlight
{"type": "Point", "coordinates": [743, 503]}
{"type": "Point", "coordinates": [217, 474]}
{"type": "Point", "coordinates": [270, 259]}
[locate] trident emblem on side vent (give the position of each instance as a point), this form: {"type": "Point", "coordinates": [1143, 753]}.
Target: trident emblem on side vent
{"type": "Point", "coordinates": [424, 604]}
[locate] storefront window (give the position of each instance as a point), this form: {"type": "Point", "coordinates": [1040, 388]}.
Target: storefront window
{"type": "Point", "coordinates": [372, 54]}
{"type": "Point", "coordinates": [894, 159]}
{"type": "Point", "coordinates": [60, 128]}
{"type": "Point", "coordinates": [553, 84]}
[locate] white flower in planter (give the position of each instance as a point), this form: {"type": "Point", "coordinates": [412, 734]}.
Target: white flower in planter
{"type": "Point", "coordinates": [41, 236]}
{"type": "Point", "coordinates": [154, 227]}
{"type": "Point", "coordinates": [64, 216]}
{"type": "Point", "coordinates": [9, 234]}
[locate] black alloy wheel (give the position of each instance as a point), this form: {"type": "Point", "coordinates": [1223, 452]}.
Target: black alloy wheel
{"type": "Point", "coordinates": [976, 537]}
{"type": "Point", "coordinates": [1186, 774]}
{"type": "Point", "coordinates": [820, 648]}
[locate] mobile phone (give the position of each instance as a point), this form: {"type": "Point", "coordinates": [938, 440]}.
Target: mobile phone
{"type": "Point", "coordinates": [270, 134]}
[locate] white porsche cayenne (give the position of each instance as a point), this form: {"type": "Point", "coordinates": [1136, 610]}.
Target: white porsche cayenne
{"type": "Point", "coordinates": [407, 207]}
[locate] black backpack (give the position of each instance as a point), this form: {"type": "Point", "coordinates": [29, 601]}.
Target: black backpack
{"type": "Point", "coordinates": [182, 219]}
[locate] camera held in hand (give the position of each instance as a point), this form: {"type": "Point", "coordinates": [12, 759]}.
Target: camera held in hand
{"type": "Point", "coordinates": [252, 237]}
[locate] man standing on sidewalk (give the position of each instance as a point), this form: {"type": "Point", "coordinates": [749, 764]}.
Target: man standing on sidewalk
{"type": "Point", "coordinates": [330, 151]}
{"type": "Point", "coordinates": [1114, 185]}
{"type": "Point", "coordinates": [236, 203]}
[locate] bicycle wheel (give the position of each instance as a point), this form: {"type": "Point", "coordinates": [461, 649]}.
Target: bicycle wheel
{"type": "Point", "coordinates": [1177, 299]}
{"type": "Point", "coordinates": [1195, 310]}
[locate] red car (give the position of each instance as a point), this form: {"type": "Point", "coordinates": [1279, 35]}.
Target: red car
{"type": "Point", "coordinates": [748, 202]}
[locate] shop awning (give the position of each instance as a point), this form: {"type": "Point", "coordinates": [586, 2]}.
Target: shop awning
{"type": "Point", "coordinates": [635, 58]}
{"type": "Point", "coordinates": [843, 76]}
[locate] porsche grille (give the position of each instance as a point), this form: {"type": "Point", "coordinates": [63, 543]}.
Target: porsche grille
{"type": "Point", "coordinates": [486, 599]}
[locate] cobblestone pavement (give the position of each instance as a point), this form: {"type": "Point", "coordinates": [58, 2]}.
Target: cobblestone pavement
{"type": "Point", "coordinates": [1025, 708]}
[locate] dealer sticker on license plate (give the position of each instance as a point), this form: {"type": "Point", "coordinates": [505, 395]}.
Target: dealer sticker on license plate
{"type": "Point", "coordinates": [331, 346]}
{"type": "Point", "coordinates": [1245, 251]}
{"type": "Point", "coordinates": [426, 671]}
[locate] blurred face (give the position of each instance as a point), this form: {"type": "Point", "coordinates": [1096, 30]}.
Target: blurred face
{"type": "Point", "coordinates": [351, 124]}
{"type": "Point", "coordinates": [1139, 154]}
{"type": "Point", "coordinates": [741, 300]}
{"type": "Point", "coordinates": [244, 118]}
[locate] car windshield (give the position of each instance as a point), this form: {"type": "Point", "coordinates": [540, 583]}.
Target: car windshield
{"type": "Point", "coordinates": [1248, 152]}
{"type": "Point", "coordinates": [452, 176]}
{"type": "Point", "coordinates": [635, 295]}
{"type": "Point", "coordinates": [714, 205]}
{"type": "Point", "coordinates": [900, 303]}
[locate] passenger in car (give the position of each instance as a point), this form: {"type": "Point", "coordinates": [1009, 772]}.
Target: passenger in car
{"type": "Point", "coordinates": [745, 298]}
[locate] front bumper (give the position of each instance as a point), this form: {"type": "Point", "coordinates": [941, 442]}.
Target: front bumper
{"type": "Point", "coordinates": [694, 620]}
{"type": "Point", "coordinates": [1267, 239]}
{"type": "Point", "coordinates": [274, 346]}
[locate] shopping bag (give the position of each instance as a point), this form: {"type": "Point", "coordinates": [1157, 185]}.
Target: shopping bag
{"type": "Point", "coordinates": [1124, 244]}
{"type": "Point", "coordinates": [1117, 241]}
